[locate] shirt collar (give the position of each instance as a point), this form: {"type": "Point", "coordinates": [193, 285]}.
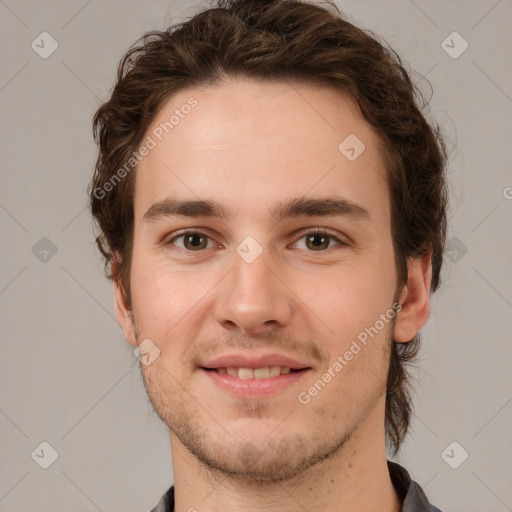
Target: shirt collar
{"type": "Point", "coordinates": [410, 493]}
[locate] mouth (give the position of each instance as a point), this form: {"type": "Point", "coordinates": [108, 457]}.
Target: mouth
{"type": "Point", "coordinates": [251, 375]}
{"type": "Point", "coordinates": [252, 383]}
{"type": "Point", "coordinates": [266, 372]}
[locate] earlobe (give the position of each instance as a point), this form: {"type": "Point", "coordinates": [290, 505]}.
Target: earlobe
{"type": "Point", "coordinates": [414, 299]}
{"type": "Point", "coordinates": [124, 314]}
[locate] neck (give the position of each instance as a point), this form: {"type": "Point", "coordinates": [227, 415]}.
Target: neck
{"type": "Point", "coordinates": [355, 479]}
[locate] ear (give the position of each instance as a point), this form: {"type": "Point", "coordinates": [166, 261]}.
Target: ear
{"type": "Point", "coordinates": [414, 299]}
{"type": "Point", "coordinates": [123, 312]}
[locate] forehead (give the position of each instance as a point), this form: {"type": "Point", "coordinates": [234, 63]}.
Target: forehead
{"type": "Point", "coordinates": [250, 143]}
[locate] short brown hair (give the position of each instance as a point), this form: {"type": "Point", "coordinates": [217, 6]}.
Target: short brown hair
{"type": "Point", "coordinates": [297, 42]}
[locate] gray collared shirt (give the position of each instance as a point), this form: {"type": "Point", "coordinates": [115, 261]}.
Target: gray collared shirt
{"type": "Point", "coordinates": [410, 493]}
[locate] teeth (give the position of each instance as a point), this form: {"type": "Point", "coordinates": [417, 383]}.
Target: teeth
{"type": "Point", "coordinates": [245, 373]}
{"type": "Point", "coordinates": [262, 373]}
{"type": "Point", "coordinates": [275, 371]}
{"type": "Point", "coordinates": [233, 372]}
{"type": "Point", "coordinates": [258, 373]}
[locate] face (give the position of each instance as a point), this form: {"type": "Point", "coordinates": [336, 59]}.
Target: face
{"type": "Point", "coordinates": [287, 264]}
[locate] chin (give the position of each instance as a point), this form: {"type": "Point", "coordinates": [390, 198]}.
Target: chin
{"type": "Point", "coordinates": [262, 460]}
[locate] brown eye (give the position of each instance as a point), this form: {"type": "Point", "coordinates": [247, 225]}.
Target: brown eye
{"type": "Point", "coordinates": [191, 241]}
{"type": "Point", "coordinates": [317, 241]}
{"type": "Point", "coordinates": [195, 241]}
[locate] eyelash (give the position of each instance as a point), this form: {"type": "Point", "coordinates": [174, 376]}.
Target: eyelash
{"type": "Point", "coordinates": [192, 232]}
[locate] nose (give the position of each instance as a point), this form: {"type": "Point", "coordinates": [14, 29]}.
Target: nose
{"type": "Point", "coordinates": [254, 298]}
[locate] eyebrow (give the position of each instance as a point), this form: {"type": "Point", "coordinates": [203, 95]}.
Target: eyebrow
{"type": "Point", "coordinates": [295, 207]}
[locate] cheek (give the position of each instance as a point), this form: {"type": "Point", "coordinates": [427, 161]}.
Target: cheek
{"type": "Point", "coordinates": [160, 298]}
{"type": "Point", "coordinates": [347, 298]}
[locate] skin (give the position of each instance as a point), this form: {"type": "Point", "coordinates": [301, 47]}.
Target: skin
{"type": "Point", "coordinates": [249, 146]}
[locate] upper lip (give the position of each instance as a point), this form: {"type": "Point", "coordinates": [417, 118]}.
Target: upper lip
{"type": "Point", "coordinates": [261, 361]}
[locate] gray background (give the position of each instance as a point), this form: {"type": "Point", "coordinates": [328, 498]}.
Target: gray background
{"type": "Point", "coordinates": [67, 375]}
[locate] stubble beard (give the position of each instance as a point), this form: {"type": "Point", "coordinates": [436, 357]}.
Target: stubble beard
{"type": "Point", "coordinates": [275, 459]}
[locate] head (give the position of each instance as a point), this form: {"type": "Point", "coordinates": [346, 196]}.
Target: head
{"type": "Point", "coordinates": [247, 105]}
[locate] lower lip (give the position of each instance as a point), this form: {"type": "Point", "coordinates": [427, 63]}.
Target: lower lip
{"type": "Point", "coordinates": [254, 387]}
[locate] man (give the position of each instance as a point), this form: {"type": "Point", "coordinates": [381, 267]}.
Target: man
{"type": "Point", "coordinates": [272, 210]}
